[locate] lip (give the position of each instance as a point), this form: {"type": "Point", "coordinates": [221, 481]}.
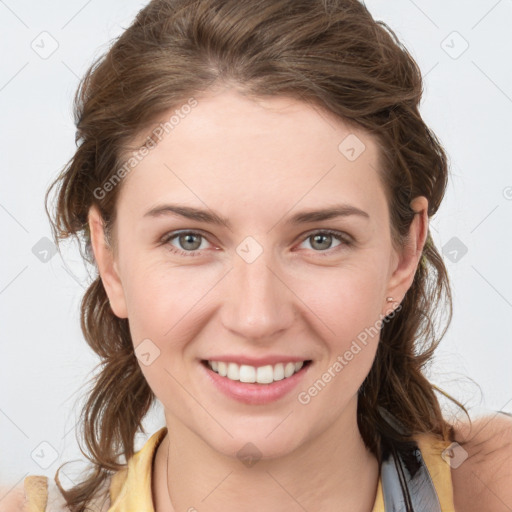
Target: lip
{"type": "Point", "coordinates": [257, 361]}
{"type": "Point", "coordinates": [254, 393]}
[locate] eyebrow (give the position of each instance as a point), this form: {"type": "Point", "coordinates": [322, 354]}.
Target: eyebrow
{"type": "Point", "coordinates": [210, 217]}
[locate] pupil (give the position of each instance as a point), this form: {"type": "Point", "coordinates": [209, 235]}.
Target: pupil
{"type": "Point", "coordinates": [187, 238]}
{"type": "Point", "coordinates": [325, 237]}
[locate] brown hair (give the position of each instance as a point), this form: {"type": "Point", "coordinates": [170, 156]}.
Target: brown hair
{"type": "Point", "coordinates": [330, 53]}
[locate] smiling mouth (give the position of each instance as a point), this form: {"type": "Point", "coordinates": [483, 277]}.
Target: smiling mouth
{"type": "Point", "coordinates": [266, 374]}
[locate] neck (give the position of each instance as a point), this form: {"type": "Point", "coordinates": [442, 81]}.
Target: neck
{"type": "Point", "coordinates": [333, 472]}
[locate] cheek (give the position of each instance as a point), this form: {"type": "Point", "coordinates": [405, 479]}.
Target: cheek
{"type": "Point", "coordinates": [163, 317]}
{"type": "Point", "coordinates": [160, 304]}
{"type": "Point", "coordinates": [347, 307]}
{"type": "Point", "coordinates": [346, 300]}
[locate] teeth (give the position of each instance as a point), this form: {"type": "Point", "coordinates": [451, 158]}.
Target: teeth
{"type": "Point", "coordinates": [233, 371]}
{"type": "Point", "coordinates": [223, 369]}
{"type": "Point", "coordinates": [262, 374]}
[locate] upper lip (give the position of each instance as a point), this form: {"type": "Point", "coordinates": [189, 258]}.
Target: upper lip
{"type": "Point", "coordinates": [257, 361]}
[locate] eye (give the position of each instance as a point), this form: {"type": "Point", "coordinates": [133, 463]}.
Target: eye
{"type": "Point", "coordinates": [321, 241]}
{"type": "Point", "coordinates": [189, 240]}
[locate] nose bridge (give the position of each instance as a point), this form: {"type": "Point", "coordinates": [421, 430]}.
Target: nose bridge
{"type": "Point", "coordinates": [257, 301]}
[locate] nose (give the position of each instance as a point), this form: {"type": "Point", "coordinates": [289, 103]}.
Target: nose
{"type": "Point", "coordinates": [258, 305]}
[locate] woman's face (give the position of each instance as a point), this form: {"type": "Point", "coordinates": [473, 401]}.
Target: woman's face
{"type": "Point", "coordinates": [272, 286]}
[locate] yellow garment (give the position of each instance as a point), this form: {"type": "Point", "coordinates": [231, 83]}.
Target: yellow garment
{"type": "Point", "coordinates": [36, 489]}
{"type": "Point", "coordinates": [130, 488]}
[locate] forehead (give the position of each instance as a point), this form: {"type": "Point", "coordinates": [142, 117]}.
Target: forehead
{"type": "Point", "coordinates": [254, 150]}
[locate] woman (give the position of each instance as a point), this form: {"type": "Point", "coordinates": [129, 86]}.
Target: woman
{"type": "Point", "coordinates": [254, 183]}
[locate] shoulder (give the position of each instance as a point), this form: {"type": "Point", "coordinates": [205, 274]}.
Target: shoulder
{"type": "Point", "coordinates": [41, 493]}
{"type": "Point", "coordinates": [12, 499]}
{"type": "Point", "coordinates": [482, 476]}
{"type": "Point", "coordinates": [24, 496]}
{"type": "Point", "coordinates": [36, 492]}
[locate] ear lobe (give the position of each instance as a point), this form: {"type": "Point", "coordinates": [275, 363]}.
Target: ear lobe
{"type": "Point", "coordinates": [107, 265]}
{"type": "Point", "coordinates": [408, 258]}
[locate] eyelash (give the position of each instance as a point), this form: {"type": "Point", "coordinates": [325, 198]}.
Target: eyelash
{"type": "Point", "coordinates": [338, 235]}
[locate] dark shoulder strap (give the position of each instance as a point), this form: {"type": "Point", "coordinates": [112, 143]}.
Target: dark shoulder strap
{"type": "Point", "coordinates": [406, 483]}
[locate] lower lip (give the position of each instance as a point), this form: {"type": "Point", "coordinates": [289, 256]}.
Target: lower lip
{"type": "Point", "coordinates": [253, 393]}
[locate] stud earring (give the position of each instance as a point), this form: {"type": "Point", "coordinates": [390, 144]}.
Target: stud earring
{"type": "Point", "coordinates": [389, 299]}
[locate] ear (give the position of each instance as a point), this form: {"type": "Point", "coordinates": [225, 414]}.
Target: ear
{"type": "Point", "coordinates": [406, 261]}
{"type": "Point", "coordinates": [107, 264]}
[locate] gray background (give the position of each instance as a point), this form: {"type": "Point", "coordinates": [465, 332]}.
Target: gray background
{"type": "Point", "coordinates": [463, 49]}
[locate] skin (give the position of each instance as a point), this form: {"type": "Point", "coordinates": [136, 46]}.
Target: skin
{"type": "Point", "coordinates": [257, 162]}
{"type": "Point", "coordinates": [484, 480]}
{"type": "Point", "coordinates": [289, 300]}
